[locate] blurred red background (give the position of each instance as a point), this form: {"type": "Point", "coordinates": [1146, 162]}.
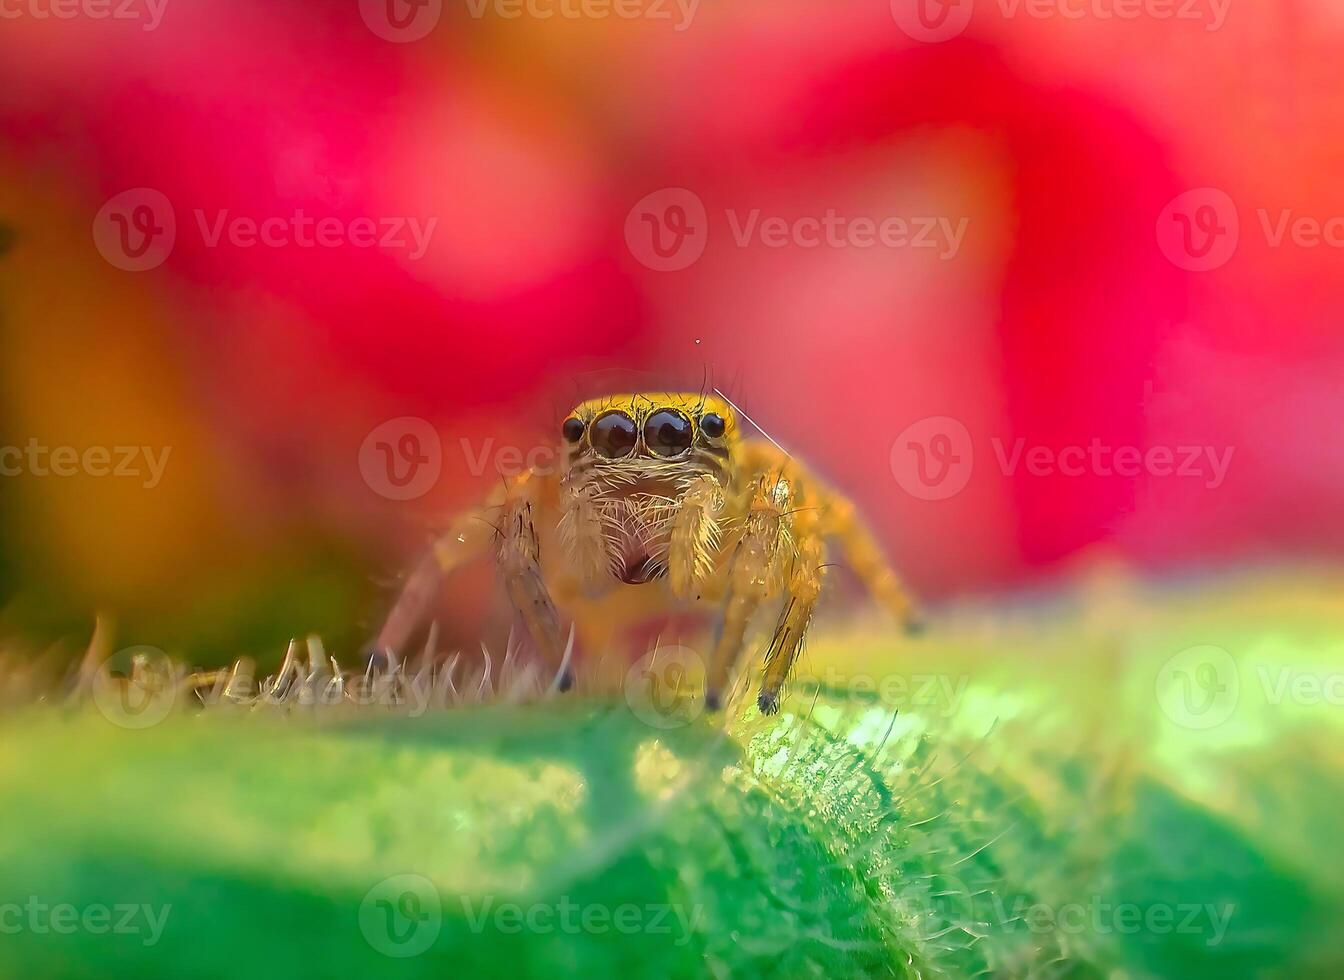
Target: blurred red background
{"type": "Point", "coordinates": [1065, 316]}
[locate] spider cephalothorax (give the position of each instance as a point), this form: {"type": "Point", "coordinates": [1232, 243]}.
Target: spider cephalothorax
{"type": "Point", "coordinates": [659, 496]}
{"type": "Point", "coordinates": [641, 470]}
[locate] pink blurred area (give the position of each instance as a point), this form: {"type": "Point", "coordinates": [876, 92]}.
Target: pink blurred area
{"type": "Point", "coordinates": [1059, 321]}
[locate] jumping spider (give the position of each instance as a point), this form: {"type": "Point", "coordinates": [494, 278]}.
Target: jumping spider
{"type": "Point", "coordinates": [659, 504]}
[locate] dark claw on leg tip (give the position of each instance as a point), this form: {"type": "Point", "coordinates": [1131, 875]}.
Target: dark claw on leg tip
{"type": "Point", "coordinates": [712, 701]}
{"type": "Point", "coordinates": [768, 702]}
{"type": "Point", "coordinates": [565, 681]}
{"type": "Point", "coordinates": [916, 627]}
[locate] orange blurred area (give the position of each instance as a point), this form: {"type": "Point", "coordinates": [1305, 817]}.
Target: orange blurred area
{"type": "Point", "coordinates": [1035, 282]}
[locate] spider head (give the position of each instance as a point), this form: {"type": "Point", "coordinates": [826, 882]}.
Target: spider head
{"type": "Point", "coordinates": [662, 432]}
{"type": "Point", "coordinates": [633, 456]}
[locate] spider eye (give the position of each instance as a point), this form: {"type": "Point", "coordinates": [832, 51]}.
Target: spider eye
{"type": "Point", "coordinates": [572, 430]}
{"type": "Point", "coordinates": [613, 435]}
{"type": "Point", "coordinates": [667, 433]}
{"type": "Point", "coordinates": [713, 425]}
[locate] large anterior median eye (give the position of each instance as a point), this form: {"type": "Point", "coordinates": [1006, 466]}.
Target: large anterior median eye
{"type": "Point", "coordinates": [613, 435]}
{"type": "Point", "coordinates": [667, 433]}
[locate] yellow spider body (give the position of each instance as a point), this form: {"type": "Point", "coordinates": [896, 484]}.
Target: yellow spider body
{"type": "Point", "coordinates": [660, 506]}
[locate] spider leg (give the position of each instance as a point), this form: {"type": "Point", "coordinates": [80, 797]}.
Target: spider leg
{"type": "Point", "coordinates": [506, 519]}
{"type": "Point", "coordinates": [862, 553]}
{"type": "Point", "coordinates": [805, 578]}
{"type": "Point", "coordinates": [468, 538]}
{"type": "Point", "coordinates": [753, 577]}
{"type": "Point", "coordinates": [518, 557]}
